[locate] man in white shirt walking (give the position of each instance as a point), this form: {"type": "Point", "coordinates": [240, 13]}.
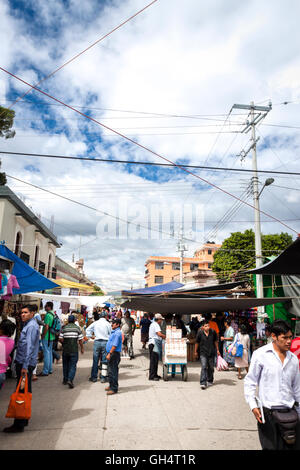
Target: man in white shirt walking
{"type": "Point", "coordinates": [275, 370]}
{"type": "Point", "coordinates": [101, 330]}
{"type": "Point", "coordinates": [155, 335]}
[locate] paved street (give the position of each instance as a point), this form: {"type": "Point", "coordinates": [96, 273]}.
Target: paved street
{"type": "Point", "coordinates": [146, 415]}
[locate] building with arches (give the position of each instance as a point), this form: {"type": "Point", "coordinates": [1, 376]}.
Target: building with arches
{"type": "Point", "coordinates": [26, 235]}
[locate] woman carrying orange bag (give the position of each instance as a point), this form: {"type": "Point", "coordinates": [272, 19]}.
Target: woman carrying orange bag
{"type": "Point", "coordinates": [25, 361]}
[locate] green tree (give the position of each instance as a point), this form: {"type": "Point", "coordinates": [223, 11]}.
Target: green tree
{"type": "Point", "coordinates": [97, 290]}
{"type": "Point", "coordinates": [6, 123]}
{"type": "Point", "coordinates": [238, 252]}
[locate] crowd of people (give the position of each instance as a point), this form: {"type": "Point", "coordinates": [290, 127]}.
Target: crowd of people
{"type": "Point", "coordinates": [273, 368]}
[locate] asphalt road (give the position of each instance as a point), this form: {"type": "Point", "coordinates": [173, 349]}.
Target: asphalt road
{"type": "Point", "coordinates": [147, 415]}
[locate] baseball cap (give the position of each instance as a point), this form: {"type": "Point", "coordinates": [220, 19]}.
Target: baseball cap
{"type": "Point", "coordinates": [158, 316]}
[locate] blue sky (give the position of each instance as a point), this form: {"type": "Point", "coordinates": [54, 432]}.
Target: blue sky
{"type": "Point", "coordinates": [167, 79]}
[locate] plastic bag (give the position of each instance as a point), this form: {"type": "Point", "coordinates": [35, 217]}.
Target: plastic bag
{"type": "Point", "coordinates": [221, 363]}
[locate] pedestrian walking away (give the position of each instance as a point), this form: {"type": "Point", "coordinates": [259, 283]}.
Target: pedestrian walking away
{"type": "Point", "coordinates": [113, 349]}
{"type": "Point", "coordinates": [128, 328]}
{"type": "Point", "coordinates": [155, 345]}
{"type": "Point", "coordinates": [41, 324]}
{"type": "Point", "coordinates": [70, 336]}
{"type": "Point", "coordinates": [274, 369]}
{"type": "Point", "coordinates": [207, 346]}
{"type": "Point", "coordinates": [227, 341]}
{"type": "Point", "coordinates": [242, 362]}
{"type": "Point", "coordinates": [26, 358]}
{"type": "Point", "coordinates": [144, 326]}
{"type": "Point", "coordinates": [100, 330]}
{"type": "Point", "coordinates": [47, 340]}
{"type": "Point", "coordinates": [7, 344]}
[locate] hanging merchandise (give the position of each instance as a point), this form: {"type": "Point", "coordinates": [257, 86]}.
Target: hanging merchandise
{"type": "Point", "coordinates": [12, 283]}
{"type": "Point", "coordinates": [8, 281]}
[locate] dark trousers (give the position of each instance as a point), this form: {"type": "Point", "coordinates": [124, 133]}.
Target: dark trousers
{"type": "Point", "coordinates": [269, 435]}
{"type": "Point", "coordinates": [69, 366]}
{"type": "Point", "coordinates": [153, 362]}
{"type": "Point", "coordinates": [221, 347]}
{"type": "Point", "coordinates": [20, 423]}
{"type": "Point", "coordinates": [54, 350]}
{"type": "Point", "coordinates": [113, 371]}
{"type": "Point", "coordinates": [207, 369]}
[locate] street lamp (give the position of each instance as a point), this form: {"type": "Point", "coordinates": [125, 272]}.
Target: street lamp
{"type": "Point", "coordinates": [258, 248]}
{"type": "Point", "coordinates": [266, 183]}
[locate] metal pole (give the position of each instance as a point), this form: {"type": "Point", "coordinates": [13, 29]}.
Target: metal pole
{"type": "Point", "coordinates": [257, 226]}
{"type": "Point", "coordinates": [181, 248]}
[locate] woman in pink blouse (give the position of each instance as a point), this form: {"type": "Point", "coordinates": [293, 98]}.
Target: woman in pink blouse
{"type": "Point", "coordinates": [7, 344]}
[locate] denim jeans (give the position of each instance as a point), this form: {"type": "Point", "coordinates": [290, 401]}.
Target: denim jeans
{"type": "Point", "coordinates": [113, 371]}
{"type": "Point", "coordinates": [99, 352]}
{"type": "Point", "coordinates": [207, 369]}
{"type": "Point", "coordinates": [48, 358]}
{"type": "Point", "coordinates": [69, 365]}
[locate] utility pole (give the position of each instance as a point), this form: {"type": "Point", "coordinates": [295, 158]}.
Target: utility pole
{"type": "Point", "coordinates": [256, 114]}
{"type": "Point", "coordinates": [181, 248]}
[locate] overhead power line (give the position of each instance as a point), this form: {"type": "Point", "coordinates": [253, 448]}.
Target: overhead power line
{"type": "Point", "coordinates": [142, 147]}
{"type": "Point", "coordinates": [133, 162]}
{"type": "Point", "coordinates": [82, 52]}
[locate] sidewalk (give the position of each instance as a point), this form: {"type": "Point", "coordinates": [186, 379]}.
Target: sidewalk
{"type": "Point", "coordinates": [146, 415]}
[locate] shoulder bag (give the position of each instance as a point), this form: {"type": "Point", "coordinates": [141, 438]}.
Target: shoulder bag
{"type": "Point", "coordinates": [286, 420]}
{"type": "Point", "coordinates": [20, 402]}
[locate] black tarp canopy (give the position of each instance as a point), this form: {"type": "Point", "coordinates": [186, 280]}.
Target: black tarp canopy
{"type": "Point", "coordinates": [288, 262]}
{"type": "Point", "coordinates": [195, 305]}
{"type": "Point", "coordinates": [210, 287]}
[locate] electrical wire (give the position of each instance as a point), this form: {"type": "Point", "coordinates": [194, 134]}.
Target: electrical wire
{"type": "Point", "coordinates": [133, 162]}
{"type": "Point", "coordinates": [142, 146]}
{"type": "Point", "coordinates": [115, 217]}
{"type": "Point", "coordinates": [82, 52]}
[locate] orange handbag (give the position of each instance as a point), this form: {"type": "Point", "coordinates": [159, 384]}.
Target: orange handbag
{"type": "Point", "coordinates": [20, 402]}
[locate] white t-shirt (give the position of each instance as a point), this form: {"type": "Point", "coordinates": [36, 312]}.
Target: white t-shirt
{"type": "Point", "coordinates": [153, 330]}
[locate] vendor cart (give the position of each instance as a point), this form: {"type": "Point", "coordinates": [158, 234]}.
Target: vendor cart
{"type": "Point", "coordinates": [174, 355]}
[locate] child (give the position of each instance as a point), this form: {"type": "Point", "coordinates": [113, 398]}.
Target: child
{"type": "Point", "coordinates": [7, 329]}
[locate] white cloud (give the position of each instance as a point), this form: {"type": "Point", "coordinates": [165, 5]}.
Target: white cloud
{"type": "Point", "coordinates": [179, 59]}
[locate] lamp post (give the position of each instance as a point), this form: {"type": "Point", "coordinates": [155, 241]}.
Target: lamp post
{"type": "Point", "coordinates": [258, 248]}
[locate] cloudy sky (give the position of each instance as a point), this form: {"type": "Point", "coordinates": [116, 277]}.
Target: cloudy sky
{"type": "Point", "coordinates": [166, 80]}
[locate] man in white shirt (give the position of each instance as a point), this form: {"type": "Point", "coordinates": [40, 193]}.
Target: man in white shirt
{"type": "Point", "coordinates": [101, 331]}
{"type": "Point", "coordinates": [155, 334]}
{"type": "Point", "coordinates": [275, 370]}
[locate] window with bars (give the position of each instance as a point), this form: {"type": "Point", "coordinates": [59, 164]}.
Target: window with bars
{"type": "Point", "coordinates": [159, 265]}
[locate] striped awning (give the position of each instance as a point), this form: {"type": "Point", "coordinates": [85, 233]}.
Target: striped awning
{"type": "Point", "coordinates": [73, 285]}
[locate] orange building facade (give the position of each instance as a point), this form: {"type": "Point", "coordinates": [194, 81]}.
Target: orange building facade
{"type": "Point", "coordinates": [163, 269]}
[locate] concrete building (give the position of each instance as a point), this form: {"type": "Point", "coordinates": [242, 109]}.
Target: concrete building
{"type": "Point", "coordinates": [163, 269]}
{"type": "Point", "coordinates": [72, 279]}
{"type": "Point", "coordinates": [25, 234]}
{"type": "Point", "coordinates": [205, 255]}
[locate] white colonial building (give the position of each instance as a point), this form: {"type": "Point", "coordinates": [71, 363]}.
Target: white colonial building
{"type": "Point", "coordinates": [26, 235]}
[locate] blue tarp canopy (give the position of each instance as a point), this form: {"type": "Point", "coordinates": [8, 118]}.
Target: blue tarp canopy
{"type": "Point", "coordinates": [28, 278]}
{"type": "Point", "coordinates": [168, 287]}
